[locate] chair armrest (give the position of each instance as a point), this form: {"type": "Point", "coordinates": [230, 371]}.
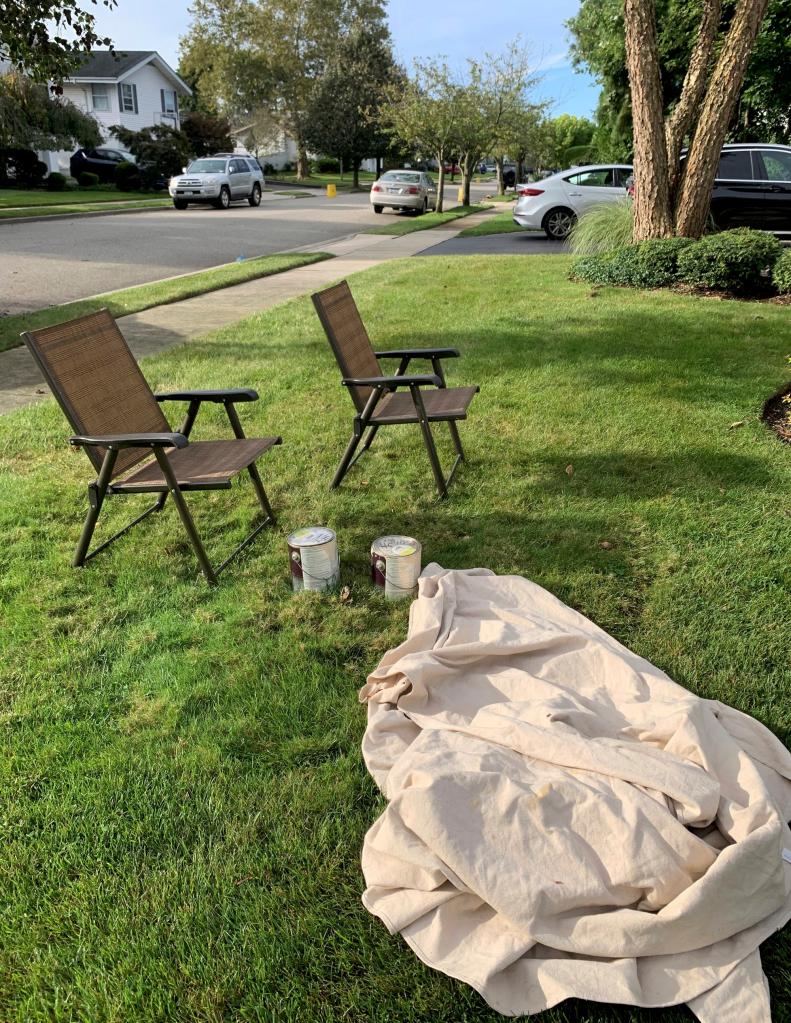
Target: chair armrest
{"type": "Point", "coordinates": [419, 353]}
{"type": "Point", "coordinates": [116, 441]}
{"type": "Point", "coordinates": [425, 380]}
{"type": "Point", "coordinates": [228, 394]}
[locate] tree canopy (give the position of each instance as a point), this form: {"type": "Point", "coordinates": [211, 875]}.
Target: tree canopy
{"type": "Point", "coordinates": [46, 38]}
{"type": "Point", "coordinates": [30, 118]}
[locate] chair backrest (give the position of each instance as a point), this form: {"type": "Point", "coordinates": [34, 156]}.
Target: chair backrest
{"type": "Point", "coordinates": [346, 333]}
{"type": "Point", "coordinates": [98, 384]}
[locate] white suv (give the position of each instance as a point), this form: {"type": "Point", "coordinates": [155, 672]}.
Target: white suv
{"type": "Point", "coordinates": [218, 180]}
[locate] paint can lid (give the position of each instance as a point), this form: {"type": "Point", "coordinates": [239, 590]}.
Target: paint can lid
{"type": "Point", "coordinates": [311, 536]}
{"type": "Point", "coordinates": [395, 546]}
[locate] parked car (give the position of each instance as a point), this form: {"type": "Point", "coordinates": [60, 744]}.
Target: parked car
{"type": "Point", "coordinates": [101, 161]}
{"type": "Point", "coordinates": [404, 190]}
{"type": "Point", "coordinates": [554, 204]}
{"type": "Point", "coordinates": [753, 187]}
{"type": "Point", "coordinates": [218, 180]}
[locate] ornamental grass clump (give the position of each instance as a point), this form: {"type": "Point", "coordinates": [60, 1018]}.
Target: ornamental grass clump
{"type": "Point", "coordinates": [739, 261]}
{"type": "Point", "coordinates": [781, 273]}
{"type": "Point", "coordinates": [603, 228]}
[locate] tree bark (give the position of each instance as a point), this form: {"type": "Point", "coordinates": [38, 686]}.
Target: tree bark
{"type": "Point", "coordinates": [467, 170]}
{"type": "Point", "coordinates": [355, 173]}
{"type": "Point", "coordinates": [694, 196]}
{"type": "Point", "coordinates": [498, 162]}
{"type": "Point", "coordinates": [440, 157]}
{"type": "Point", "coordinates": [303, 167]}
{"type": "Point", "coordinates": [652, 217]}
{"type": "Point", "coordinates": [682, 119]}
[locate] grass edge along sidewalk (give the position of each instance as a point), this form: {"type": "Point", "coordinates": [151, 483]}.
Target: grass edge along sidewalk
{"type": "Point", "coordinates": [406, 225]}
{"type": "Point", "coordinates": [182, 792]}
{"type": "Point", "coordinates": [81, 209]}
{"type": "Point", "coordinates": [145, 296]}
{"type": "Point", "coordinates": [34, 198]}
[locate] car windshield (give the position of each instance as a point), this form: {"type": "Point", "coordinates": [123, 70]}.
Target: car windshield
{"type": "Point", "coordinates": [127, 156]}
{"type": "Point", "coordinates": [407, 176]}
{"type": "Point", "coordinates": [206, 167]}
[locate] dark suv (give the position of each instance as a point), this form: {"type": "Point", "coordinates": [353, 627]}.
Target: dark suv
{"type": "Point", "coordinates": [101, 161]}
{"type": "Point", "coordinates": [753, 187]}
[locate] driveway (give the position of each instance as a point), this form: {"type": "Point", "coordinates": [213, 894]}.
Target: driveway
{"type": "Point", "coordinates": [518, 243]}
{"type": "Point", "coordinates": [50, 262]}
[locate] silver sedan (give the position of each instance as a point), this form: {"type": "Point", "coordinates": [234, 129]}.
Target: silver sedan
{"type": "Point", "coordinates": [404, 190]}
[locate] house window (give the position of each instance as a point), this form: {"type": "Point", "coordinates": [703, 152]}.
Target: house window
{"type": "Point", "coordinates": [127, 95]}
{"type": "Point", "coordinates": [169, 103]}
{"type": "Point", "coordinates": [100, 98]}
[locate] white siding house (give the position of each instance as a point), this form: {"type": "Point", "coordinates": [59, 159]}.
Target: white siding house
{"type": "Point", "coordinates": [136, 89]}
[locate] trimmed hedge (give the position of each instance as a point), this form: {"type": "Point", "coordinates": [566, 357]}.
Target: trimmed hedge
{"type": "Point", "coordinates": [56, 182]}
{"type": "Point", "coordinates": [127, 176]}
{"type": "Point", "coordinates": [781, 274]}
{"type": "Point", "coordinates": [88, 179]}
{"type": "Point", "coordinates": [736, 261]}
{"type": "Point", "coordinates": [649, 264]}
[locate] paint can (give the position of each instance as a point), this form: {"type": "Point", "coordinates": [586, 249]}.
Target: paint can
{"type": "Point", "coordinates": [395, 565]}
{"type": "Point", "coordinates": [313, 554]}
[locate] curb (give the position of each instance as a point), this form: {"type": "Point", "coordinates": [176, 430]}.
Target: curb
{"type": "Point", "coordinates": [77, 216]}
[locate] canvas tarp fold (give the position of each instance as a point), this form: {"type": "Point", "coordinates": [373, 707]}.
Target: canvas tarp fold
{"type": "Point", "coordinates": [563, 820]}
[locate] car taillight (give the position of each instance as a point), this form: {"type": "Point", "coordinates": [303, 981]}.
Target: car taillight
{"type": "Point", "coordinates": [412, 190]}
{"type": "Point", "coordinates": [376, 188]}
{"type": "Point", "coordinates": [531, 191]}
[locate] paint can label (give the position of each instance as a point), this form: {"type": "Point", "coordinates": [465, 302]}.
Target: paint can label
{"type": "Point", "coordinates": [395, 565]}
{"type": "Point", "coordinates": [313, 557]}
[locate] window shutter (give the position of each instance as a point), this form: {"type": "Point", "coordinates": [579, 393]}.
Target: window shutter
{"type": "Point", "coordinates": [134, 97]}
{"type": "Point", "coordinates": [162, 99]}
{"type": "Point", "coordinates": [120, 98]}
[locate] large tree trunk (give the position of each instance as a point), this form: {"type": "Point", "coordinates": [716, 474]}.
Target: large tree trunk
{"type": "Point", "coordinates": [440, 157]}
{"type": "Point", "coordinates": [498, 162]}
{"type": "Point", "coordinates": [303, 166]}
{"type": "Point", "coordinates": [467, 170]}
{"type": "Point", "coordinates": [694, 196]}
{"type": "Point", "coordinates": [694, 89]}
{"type": "Point", "coordinates": [652, 218]}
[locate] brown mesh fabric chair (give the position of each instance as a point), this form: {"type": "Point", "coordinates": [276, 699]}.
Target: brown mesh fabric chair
{"type": "Point", "coordinates": [376, 396]}
{"type": "Point", "coordinates": [117, 420]}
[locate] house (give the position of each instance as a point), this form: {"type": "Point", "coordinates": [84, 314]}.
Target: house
{"type": "Point", "coordinates": [134, 88]}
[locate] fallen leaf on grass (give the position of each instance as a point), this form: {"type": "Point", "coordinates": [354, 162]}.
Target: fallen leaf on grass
{"type": "Point", "coordinates": [569, 470]}
{"type": "Point", "coordinates": [739, 422]}
{"type": "Point", "coordinates": [346, 595]}
{"type": "Point", "coordinates": [606, 545]}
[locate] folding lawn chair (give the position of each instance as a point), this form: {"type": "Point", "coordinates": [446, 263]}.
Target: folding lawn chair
{"type": "Point", "coordinates": [117, 419]}
{"type": "Point", "coordinates": [376, 396]}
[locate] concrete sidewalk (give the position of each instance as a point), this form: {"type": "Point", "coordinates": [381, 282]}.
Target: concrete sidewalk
{"type": "Point", "coordinates": [160, 327]}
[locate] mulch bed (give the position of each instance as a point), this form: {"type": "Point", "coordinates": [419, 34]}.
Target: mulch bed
{"type": "Point", "coordinates": [777, 414]}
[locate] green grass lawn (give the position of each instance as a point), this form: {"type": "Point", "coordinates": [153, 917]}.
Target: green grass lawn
{"type": "Point", "coordinates": [82, 209]}
{"type": "Point", "coordinates": [407, 223]}
{"type": "Point", "coordinates": [500, 223]}
{"type": "Point", "coordinates": [322, 180]}
{"type": "Point", "coordinates": [183, 795]}
{"type": "Point", "coordinates": [41, 197]}
{"type": "Point", "coordinates": [144, 296]}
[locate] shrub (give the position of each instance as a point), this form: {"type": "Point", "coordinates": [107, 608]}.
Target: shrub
{"type": "Point", "coordinates": [56, 182]}
{"type": "Point", "coordinates": [781, 274]}
{"type": "Point", "coordinates": [88, 179]}
{"type": "Point", "coordinates": [735, 261]}
{"type": "Point", "coordinates": [603, 228]}
{"type": "Point", "coordinates": [326, 165]}
{"type": "Point", "coordinates": [161, 151]}
{"type": "Point", "coordinates": [649, 264]}
{"type": "Point", "coordinates": [127, 176]}
{"type": "Point", "coordinates": [269, 168]}
{"type": "Point", "coordinates": [21, 167]}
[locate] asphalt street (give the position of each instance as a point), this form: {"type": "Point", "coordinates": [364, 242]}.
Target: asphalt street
{"type": "Point", "coordinates": [50, 262]}
{"type": "Point", "coordinates": [519, 243]}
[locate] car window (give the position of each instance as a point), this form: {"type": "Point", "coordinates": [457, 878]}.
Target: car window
{"type": "Point", "coordinates": [408, 177]}
{"type": "Point", "coordinates": [735, 165]}
{"type": "Point", "coordinates": [206, 167]}
{"type": "Point", "coordinates": [254, 166]}
{"type": "Point", "coordinates": [622, 176]}
{"type": "Point", "coordinates": [601, 178]}
{"type": "Point", "coordinates": [777, 164]}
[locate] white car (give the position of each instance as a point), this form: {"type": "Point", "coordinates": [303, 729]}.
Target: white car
{"type": "Point", "coordinates": [404, 190]}
{"type": "Point", "coordinates": [553, 205]}
{"type": "Point", "coordinates": [218, 180]}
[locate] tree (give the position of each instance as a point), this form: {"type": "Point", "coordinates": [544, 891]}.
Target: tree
{"type": "Point", "coordinates": [46, 38]}
{"type": "Point", "coordinates": [668, 201]}
{"type": "Point", "coordinates": [249, 54]}
{"type": "Point", "coordinates": [342, 117]}
{"type": "Point", "coordinates": [31, 118]}
{"type": "Point", "coordinates": [421, 114]}
{"type": "Point", "coordinates": [161, 151]}
{"type": "Point", "coordinates": [206, 133]}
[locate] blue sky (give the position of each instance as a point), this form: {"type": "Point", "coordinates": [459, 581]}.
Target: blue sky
{"type": "Point", "coordinates": [420, 28]}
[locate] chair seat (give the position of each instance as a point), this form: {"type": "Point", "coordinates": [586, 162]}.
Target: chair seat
{"type": "Point", "coordinates": [202, 465]}
{"type": "Point", "coordinates": [442, 403]}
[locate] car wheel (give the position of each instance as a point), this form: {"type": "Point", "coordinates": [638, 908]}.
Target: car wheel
{"type": "Point", "coordinates": [425, 206]}
{"type": "Point", "coordinates": [179, 204]}
{"type": "Point", "coordinates": [224, 201]}
{"type": "Point", "coordinates": [378, 209]}
{"type": "Point", "coordinates": [558, 223]}
{"type": "Point", "coordinates": [255, 198]}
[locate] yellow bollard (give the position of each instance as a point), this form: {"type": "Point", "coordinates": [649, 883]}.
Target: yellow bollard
{"type": "Point", "coordinates": [460, 196]}
{"type": "Point", "coordinates": [331, 191]}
